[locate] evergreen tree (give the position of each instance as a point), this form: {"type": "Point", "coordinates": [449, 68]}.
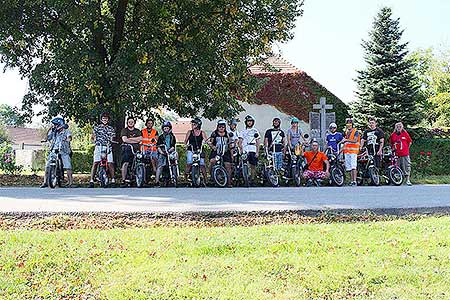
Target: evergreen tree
{"type": "Point", "coordinates": [387, 87]}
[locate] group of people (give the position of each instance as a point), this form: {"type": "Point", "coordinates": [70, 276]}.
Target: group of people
{"type": "Point", "coordinates": [226, 138]}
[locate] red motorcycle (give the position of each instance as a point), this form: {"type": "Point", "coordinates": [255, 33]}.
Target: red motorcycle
{"type": "Point", "coordinates": [392, 172]}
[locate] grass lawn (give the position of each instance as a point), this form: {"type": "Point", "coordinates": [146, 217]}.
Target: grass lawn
{"type": "Point", "coordinates": [378, 260]}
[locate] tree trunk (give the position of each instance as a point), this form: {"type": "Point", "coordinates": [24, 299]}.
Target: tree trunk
{"type": "Point", "coordinates": [118, 124]}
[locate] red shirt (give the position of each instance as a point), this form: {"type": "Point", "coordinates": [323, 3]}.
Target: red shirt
{"type": "Point", "coordinates": [401, 142]}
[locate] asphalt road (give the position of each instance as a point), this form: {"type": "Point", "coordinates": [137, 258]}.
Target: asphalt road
{"type": "Point", "coordinates": [215, 199]}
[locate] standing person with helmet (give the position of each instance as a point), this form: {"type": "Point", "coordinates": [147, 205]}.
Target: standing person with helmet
{"type": "Point", "coordinates": [333, 137]}
{"type": "Point", "coordinates": [61, 136]}
{"type": "Point", "coordinates": [150, 137]}
{"type": "Point", "coordinates": [131, 136]}
{"type": "Point", "coordinates": [294, 133]}
{"type": "Point", "coordinates": [351, 150]}
{"type": "Point", "coordinates": [168, 139]}
{"type": "Point", "coordinates": [373, 137]}
{"type": "Point", "coordinates": [220, 140]}
{"type": "Point", "coordinates": [233, 129]}
{"type": "Point", "coordinates": [249, 141]}
{"type": "Point", "coordinates": [274, 142]}
{"type": "Point", "coordinates": [193, 141]}
{"type": "Point", "coordinates": [102, 136]}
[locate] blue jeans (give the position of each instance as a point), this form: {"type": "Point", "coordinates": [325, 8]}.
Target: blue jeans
{"type": "Point", "coordinates": [278, 158]}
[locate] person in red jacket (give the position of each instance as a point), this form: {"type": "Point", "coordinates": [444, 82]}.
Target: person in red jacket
{"type": "Point", "coordinates": [401, 142]}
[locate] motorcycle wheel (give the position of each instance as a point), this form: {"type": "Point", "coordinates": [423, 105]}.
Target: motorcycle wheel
{"type": "Point", "coordinates": [297, 175]}
{"type": "Point", "coordinates": [246, 175]}
{"type": "Point", "coordinates": [374, 176]}
{"type": "Point", "coordinates": [140, 175]}
{"type": "Point", "coordinates": [395, 175]}
{"type": "Point", "coordinates": [337, 176]}
{"type": "Point", "coordinates": [220, 176]}
{"type": "Point", "coordinates": [272, 177]}
{"type": "Point", "coordinates": [195, 176]}
{"type": "Point", "coordinates": [102, 177]}
{"type": "Point", "coordinates": [52, 177]}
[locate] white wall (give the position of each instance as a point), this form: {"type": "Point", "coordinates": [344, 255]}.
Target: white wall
{"type": "Point", "coordinates": [263, 114]}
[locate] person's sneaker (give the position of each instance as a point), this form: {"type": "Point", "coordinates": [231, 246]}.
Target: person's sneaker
{"type": "Point", "coordinates": [44, 185]}
{"type": "Point", "coordinates": [408, 183]}
{"type": "Point", "coordinates": [157, 184]}
{"type": "Point", "coordinates": [123, 184]}
{"type": "Point", "coordinates": [309, 183]}
{"type": "Point", "coordinates": [91, 184]}
{"type": "Point", "coordinates": [353, 183]}
{"type": "Point", "coordinates": [113, 181]}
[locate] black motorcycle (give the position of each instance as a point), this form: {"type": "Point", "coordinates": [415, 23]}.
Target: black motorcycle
{"type": "Point", "coordinates": [136, 169]}
{"type": "Point", "coordinates": [367, 170]}
{"type": "Point", "coordinates": [196, 174]}
{"type": "Point", "coordinates": [393, 174]}
{"type": "Point", "coordinates": [294, 165]}
{"type": "Point", "coordinates": [102, 169]}
{"type": "Point", "coordinates": [170, 172]}
{"type": "Point", "coordinates": [219, 172]}
{"type": "Point", "coordinates": [337, 170]}
{"type": "Point", "coordinates": [55, 174]}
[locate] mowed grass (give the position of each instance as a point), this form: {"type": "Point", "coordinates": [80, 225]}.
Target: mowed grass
{"type": "Point", "coordinates": [381, 260]}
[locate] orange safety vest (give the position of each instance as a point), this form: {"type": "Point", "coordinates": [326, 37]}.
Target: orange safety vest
{"type": "Point", "coordinates": [352, 147]}
{"type": "Point", "coordinates": [147, 139]}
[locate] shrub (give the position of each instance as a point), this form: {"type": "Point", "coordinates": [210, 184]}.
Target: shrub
{"type": "Point", "coordinates": [428, 156]}
{"type": "Point", "coordinates": [8, 160]}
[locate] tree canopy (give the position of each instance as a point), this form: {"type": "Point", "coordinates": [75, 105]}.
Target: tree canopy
{"type": "Point", "coordinates": [387, 87]}
{"type": "Point", "coordinates": [86, 56]}
{"type": "Point", "coordinates": [433, 73]}
{"type": "Point", "coordinates": [10, 116]}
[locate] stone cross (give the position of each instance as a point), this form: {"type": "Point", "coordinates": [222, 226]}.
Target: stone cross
{"type": "Point", "coordinates": [323, 106]}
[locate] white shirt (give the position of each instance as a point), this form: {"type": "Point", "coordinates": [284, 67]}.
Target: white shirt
{"type": "Point", "coordinates": [248, 139]}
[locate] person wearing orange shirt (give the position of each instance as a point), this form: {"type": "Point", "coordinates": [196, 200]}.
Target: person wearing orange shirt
{"type": "Point", "coordinates": [315, 160]}
{"type": "Point", "coordinates": [351, 149]}
{"type": "Point", "coordinates": [150, 137]}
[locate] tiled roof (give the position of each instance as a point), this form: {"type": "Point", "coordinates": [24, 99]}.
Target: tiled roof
{"type": "Point", "coordinates": [278, 65]}
{"type": "Point", "coordinates": [19, 135]}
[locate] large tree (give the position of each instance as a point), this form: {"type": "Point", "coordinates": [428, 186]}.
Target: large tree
{"type": "Point", "coordinates": [131, 56]}
{"type": "Point", "coordinates": [387, 88]}
{"type": "Point", "coordinates": [433, 72]}
{"type": "Point", "coordinates": [10, 116]}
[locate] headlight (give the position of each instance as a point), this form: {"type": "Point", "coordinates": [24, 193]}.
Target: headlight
{"type": "Point", "coordinates": [103, 155]}
{"type": "Point", "coordinates": [217, 158]}
{"type": "Point", "coordinates": [139, 155]}
{"type": "Point", "coordinates": [244, 156]}
{"type": "Point", "coordinates": [195, 157]}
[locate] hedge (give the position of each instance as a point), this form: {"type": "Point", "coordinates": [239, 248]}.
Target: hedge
{"type": "Point", "coordinates": [430, 156]}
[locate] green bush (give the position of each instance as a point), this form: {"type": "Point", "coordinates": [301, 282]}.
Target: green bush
{"type": "Point", "coordinates": [8, 160]}
{"type": "Point", "coordinates": [429, 156]}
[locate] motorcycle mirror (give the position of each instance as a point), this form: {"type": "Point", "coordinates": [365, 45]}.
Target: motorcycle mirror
{"type": "Point", "coordinates": [306, 135]}
{"type": "Point", "coordinates": [256, 135]}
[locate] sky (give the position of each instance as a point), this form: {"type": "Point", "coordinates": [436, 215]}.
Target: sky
{"type": "Point", "coordinates": [327, 40]}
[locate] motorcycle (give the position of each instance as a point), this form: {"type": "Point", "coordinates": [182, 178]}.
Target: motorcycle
{"type": "Point", "coordinates": [241, 171]}
{"type": "Point", "coordinates": [147, 160]}
{"type": "Point", "coordinates": [392, 171]}
{"type": "Point", "coordinates": [367, 169]}
{"type": "Point", "coordinates": [295, 163]}
{"type": "Point", "coordinates": [337, 170]}
{"type": "Point", "coordinates": [219, 172]}
{"type": "Point", "coordinates": [171, 171]}
{"type": "Point", "coordinates": [55, 174]}
{"type": "Point", "coordinates": [102, 169]}
{"type": "Point", "coordinates": [136, 169]}
{"type": "Point", "coordinates": [270, 175]}
{"type": "Point", "coordinates": [196, 174]}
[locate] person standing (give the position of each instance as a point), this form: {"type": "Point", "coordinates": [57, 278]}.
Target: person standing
{"type": "Point", "coordinates": [333, 137]}
{"type": "Point", "coordinates": [401, 142]}
{"type": "Point", "coordinates": [351, 150]}
{"type": "Point", "coordinates": [274, 142]}
{"type": "Point", "coordinates": [194, 140]}
{"type": "Point", "coordinates": [249, 141]}
{"type": "Point", "coordinates": [294, 133]}
{"type": "Point", "coordinates": [102, 136]}
{"type": "Point", "coordinates": [150, 137]}
{"type": "Point", "coordinates": [373, 139]}
{"type": "Point", "coordinates": [130, 136]}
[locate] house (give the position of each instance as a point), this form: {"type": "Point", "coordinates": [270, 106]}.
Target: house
{"type": "Point", "coordinates": [26, 143]}
{"type": "Point", "coordinates": [288, 92]}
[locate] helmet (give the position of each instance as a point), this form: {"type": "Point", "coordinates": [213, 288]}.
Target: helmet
{"type": "Point", "coordinates": [276, 119]}
{"type": "Point", "coordinates": [221, 122]}
{"type": "Point", "coordinates": [197, 121]}
{"type": "Point", "coordinates": [58, 121]}
{"type": "Point", "coordinates": [349, 121]}
{"type": "Point", "coordinates": [332, 125]}
{"type": "Point", "coordinates": [249, 118]}
{"type": "Point", "coordinates": [105, 115]}
{"type": "Point", "coordinates": [166, 124]}
{"type": "Point", "coordinates": [295, 120]}
{"type": "Point", "coordinates": [233, 121]}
